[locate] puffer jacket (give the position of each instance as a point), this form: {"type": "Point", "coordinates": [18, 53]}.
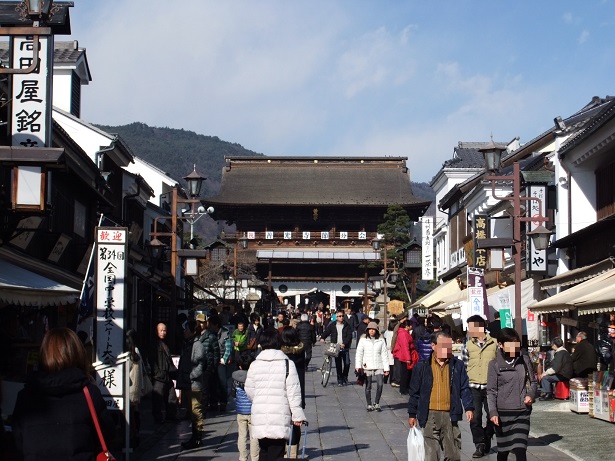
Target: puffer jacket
{"type": "Point", "coordinates": [211, 347]}
{"type": "Point", "coordinates": [507, 385]}
{"type": "Point", "coordinates": [423, 345]}
{"type": "Point", "coordinates": [276, 398]}
{"type": "Point", "coordinates": [191, 365]}
{"type": "Point", "coordinates": [403, 346]}
{"type": "Point", "coordinates": [243, 405]}
{"type": "Point", "coordinates": [372, 354]}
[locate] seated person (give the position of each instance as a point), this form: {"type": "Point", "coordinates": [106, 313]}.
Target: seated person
{"type": "Point", "coordinates": [560, 369]}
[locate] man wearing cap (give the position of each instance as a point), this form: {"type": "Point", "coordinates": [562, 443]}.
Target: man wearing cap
{"type": "Point", "coordinates": [211, 348]}
{"type": "Point", "coordinates": [341, 334]}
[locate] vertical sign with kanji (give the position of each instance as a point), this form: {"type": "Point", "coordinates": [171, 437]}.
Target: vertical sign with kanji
{"type": "Point", "coordinates": [427, 244]}
{"type": "Point", "coordinates": [111, 245]}
{"type": "Point", "coordinates": [481, 232]}
{"type": "Point", "coordinates": [536, 259]}
{"type": "Point", "coordinates": [477, 292]}
{"type": "Point", "coordinates": [31, 93]}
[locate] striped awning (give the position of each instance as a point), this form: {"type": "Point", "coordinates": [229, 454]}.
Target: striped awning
{"type": "Point", "coordinates": [578, 275]}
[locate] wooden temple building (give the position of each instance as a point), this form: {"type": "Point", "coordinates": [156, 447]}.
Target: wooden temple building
{"type": "Point", "coordinates": [311, 221]}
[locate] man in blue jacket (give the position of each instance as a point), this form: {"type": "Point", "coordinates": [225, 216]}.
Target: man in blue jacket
{"type": "Point", "coordinates": [438, 388]}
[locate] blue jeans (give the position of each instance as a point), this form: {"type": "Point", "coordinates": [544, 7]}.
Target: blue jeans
{"type": "Point", "coordinates": [342, 366]}
{"type": "Point", "coordinates": [547, 382]}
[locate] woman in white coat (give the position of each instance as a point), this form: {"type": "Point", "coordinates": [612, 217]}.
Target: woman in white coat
{"type": "Point", "coordinates": [272, 384]}
{"type": "Point", "coordinates": [373, 358]}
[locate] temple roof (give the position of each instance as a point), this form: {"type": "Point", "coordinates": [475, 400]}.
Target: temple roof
{"type": "Point", "coordinates": [334, 181]}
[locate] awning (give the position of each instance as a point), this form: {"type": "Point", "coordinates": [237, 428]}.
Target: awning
{"type": "Point", "coordinates": [323, 255]}
{"type": "Point", "coordinates": [578, 275]}
{"type": "Point", "coordinates": [24, 288]}
{"type": "Point", "coordinates": [453, 303]}
{"type": "Point", "coordinates": [435, 296]}
{"type": "Point", "coordinates": [573, 297]}
{"type": "Point", "coordinates": [599, 300]}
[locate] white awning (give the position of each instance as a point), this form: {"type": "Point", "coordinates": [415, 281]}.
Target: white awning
{"type": "Point", "coordinates": [435, 296]}
{"type": "Point", "coordinates": [578, 275]}
{"type": "Point", "coordinates": [25, 288]}
{"type": "Point", "coordinates": [579, 295]}
{"type": "Point", "coordinates": [319, 255]}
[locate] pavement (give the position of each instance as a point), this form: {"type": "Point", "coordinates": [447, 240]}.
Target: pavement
{"type": "Point", "coordinates": [341, 429]}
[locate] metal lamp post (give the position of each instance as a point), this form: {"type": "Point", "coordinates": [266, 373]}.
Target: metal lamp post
{"type": "Point", "coordinates": [493, 157]}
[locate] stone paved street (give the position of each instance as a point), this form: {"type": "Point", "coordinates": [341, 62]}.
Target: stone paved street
{"type": "Point", "coordinates": [341, 429]}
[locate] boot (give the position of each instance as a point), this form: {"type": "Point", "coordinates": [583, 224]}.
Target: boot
{"type": "Point", "coordinates": [194, 442]}
{"type": "Point", "coordinates": [480, 451]}
{"type": "Point", "coordinates": [293, 451]}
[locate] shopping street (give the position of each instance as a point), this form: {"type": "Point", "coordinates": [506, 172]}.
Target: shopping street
{"type": "Point", "coordinates": [341, 429]}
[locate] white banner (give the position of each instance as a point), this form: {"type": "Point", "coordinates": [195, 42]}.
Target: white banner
{"type": "Point", "coordinates": [427, 246]}
{"type": "Point", "coordinates": [110, 289]}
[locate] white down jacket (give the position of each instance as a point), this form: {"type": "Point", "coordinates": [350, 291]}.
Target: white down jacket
{"type": "Point", "coordinates": [275, 397]}
{"type": "Point", "coordinates": [372, 354]}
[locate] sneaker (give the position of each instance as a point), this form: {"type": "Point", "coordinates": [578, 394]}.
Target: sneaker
{"type": "Point", "coordinates": [480, 451]}
{"type": "Point", "coordinates": [370, 408]}
{"type": "Point", "coordinates": [394, 385]}
{"type": "Point", "coordinates": [546, 397]}
{"type": "Point", "coordinates": [377, 407]}
{"type": "Point", "coordinates": [340, 384]}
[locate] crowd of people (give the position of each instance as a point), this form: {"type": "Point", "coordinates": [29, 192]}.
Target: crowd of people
{"type": "Point", "coordinates": [492, 383]}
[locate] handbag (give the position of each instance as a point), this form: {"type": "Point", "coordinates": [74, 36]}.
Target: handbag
{"type": "Point", "coordinates": [333, 350]}
{"type": "Point", "coordinates": [414, 359]}
{"type": "Point", "coordinates": [416, 445]}
{"type": "Point", "coordinates": [104, 455]}
{"type": "Point", "coordinates": [253, 344]}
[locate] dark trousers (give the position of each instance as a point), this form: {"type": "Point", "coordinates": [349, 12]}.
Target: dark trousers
{"type": "Point", "coordinates": [479, 433]}
{"type": "Point", "coordinates": [210, 384]}
{"type": "Point", "coordinates": [164, 401]}
{"type": "Point", "coordinates": [395, 371]}
{"type": "Point", "coordinates": [271, 449]}
{"type": "Point", "coordinates": [308, 357]}
{"type": "Point", "coordinates": [342, 365]}
{"type": "Point", "coordinates": [404, 378]}
{"type": "Point", "coordinates": [221, 394]}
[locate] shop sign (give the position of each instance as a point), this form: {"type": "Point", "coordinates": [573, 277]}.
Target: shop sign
{"type": "Point", "coordinates": [427, 248]}
{"type": "Point", "coordinates": [481, 232]}
{"type": "Point", "coordinates": [31, 93]}
{"type": "Point", "coordinates": [506, 319]}
{"type": "Point", "coordinates": [111, 248]}
{"type": "Point", "coordinates": [536, 259]}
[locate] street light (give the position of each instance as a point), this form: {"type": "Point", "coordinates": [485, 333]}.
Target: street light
{"type": "Point", "coordinates": [493, 159]}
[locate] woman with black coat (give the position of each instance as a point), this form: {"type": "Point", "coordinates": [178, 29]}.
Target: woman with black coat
{"type": "Point", "coordinates": [64, 430]}
{"type": "Point", "coordinates": [293, 348]}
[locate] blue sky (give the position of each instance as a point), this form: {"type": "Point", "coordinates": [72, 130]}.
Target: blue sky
{"type": "Point", "coordinates": [346, 78]}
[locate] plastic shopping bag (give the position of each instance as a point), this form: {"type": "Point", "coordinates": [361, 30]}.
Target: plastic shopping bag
{"type": "Point", "coordinates": [416, 446]}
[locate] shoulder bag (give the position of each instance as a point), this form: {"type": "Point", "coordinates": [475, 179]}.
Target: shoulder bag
{"type": "Point", "coordinates": [105, 455]}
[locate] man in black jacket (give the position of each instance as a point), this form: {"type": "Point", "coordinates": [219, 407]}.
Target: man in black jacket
{"type": "Point", "coordinates": [584, 358]}
{"type": "Point", "coordinates": [341, 334]}
{"type": "Point", "coordinates": [308, 337]}
{"type": "Point", "coordinates": [164, 399]}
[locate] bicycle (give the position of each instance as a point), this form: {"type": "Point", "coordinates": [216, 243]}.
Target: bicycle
{"type": "Point", "coordinates": [332, 351]}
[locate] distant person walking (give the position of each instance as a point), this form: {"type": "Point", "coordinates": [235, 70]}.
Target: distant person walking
{"type": "Point", "coordinates": [372, 357]}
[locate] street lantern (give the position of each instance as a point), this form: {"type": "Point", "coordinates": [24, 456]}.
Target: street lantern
{"type": "Point", "coordinates": [243, 241]}
{"type": "Point", "coordinates": [376, 244]}
{"type": "Point", "coordinates": [156, 249]}
{"type": "Point", "coordinates": [195, 182]}
{"type": "Point", "coordinates": [540, 237]}
{"type": "Point", "coordinates": [393, 276]}
{"type": "Point", "coordinates": [492, 154]}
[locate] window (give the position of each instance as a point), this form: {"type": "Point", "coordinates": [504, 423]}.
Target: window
{"type": "Point", "coordinates": [219, 253]}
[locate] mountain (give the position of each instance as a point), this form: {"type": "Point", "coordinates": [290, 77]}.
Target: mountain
{"type": "Point", "coordinates": [176, 151]}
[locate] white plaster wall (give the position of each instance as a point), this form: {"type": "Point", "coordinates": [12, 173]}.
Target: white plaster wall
{"type": "Point", "coordinates": [62, 89]}
{"type": "Point", "coordinates": [154, 177]}
{"type": "Point", "coordinates": [583, 190]}
{"type": "Point", "coordinates": [89, 139]}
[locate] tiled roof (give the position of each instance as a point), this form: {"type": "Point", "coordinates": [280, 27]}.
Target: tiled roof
{"type": "Point", "coordinates": [586, 123]}
{"type": "Point", "coordinates": [466, 155]}
{"type": "Point", "coordinates": [64, 52]}
{"type": "Point", "coordinates": [316, 181]}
